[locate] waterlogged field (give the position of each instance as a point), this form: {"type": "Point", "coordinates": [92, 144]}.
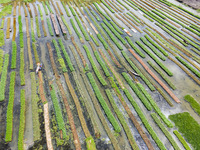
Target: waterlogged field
{"type": "Point", "coordinates": [108, 74]}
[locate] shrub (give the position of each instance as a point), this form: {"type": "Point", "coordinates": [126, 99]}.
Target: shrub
{"type": "Point", "coordinates": [156, 46]}
{"type": "Point", "coordinates": [137, 92]}
{"type": "Point", "coordinates": [138, 71]}
{"type": "Point", "coordinates": [14, 55]}
{"type": "Point", "coordinates": [103, 103]}
{"type": "Point", "coordinates": [155, 59]}
{"type": "Point", "coordinates": [4, 77]}
{"type": "Point", "coordinates": [68, 14]}
{"type": "Point", "coordinates": [9, 115]}
{"type": "Point", "coordinates": [66, 24]}
{"type": "Point", "coordinates": [67, 58]}
{"type": "Point", "coordinates": [22, 120]}
{"type": "Point", "coordinates": [162, 75]}
{"type": "Point", "coordinates": [188, 126]}
{"type": "Point", "coordinates": [114, 31]}
{"type": "Point", "coordinates": [154, 105]}
{"type": "Point", "coordinates": [194, 104]}
{"type": "Point", "coordinates": [182, 140]}
{"type": "Point", "coordinates": [134, 47]}
{"type": "Point", "coordinates": [101, 79]}
{"type": "Point", "coordinates": [144, 120]}
{"type": "Point", "coordinates": [75, 29]}
{"type": "Point", "coordinates": [165, 131]}
{"type": "Point", "coordinates": [188, 66]}
{"type": "Point", "coordinates": [108, 6]}
{"type": "Point", "coordinates": [58, 112]}
{"type": "Point", "coordinates": [82, 29]}
{"type": "Point", "coordinates": [112, 37]}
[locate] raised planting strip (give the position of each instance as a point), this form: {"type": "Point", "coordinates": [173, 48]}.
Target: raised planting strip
{"type": "Point", "coordinates": [9, 114]}
{"type": "Point", "coordinates": [1, 59]}
{"type": "Point", "coordinates": [98, 74]}
{"type": "Point", "coordinates": [182, 140]}
{"type": "Point", "coordinates": [58, 112]}
{"type": "Point", "coordinates": [22, 120]}
{"type": "Point", "coordinates": [103, 103]}
{"type": "Point", "coordinates": [4, 77]}
{"type": "Point", "coordinates": [188, 127]}
{"type": "Point", "coordinates": [76, 30]}
{"type": "Point", "coordinates": [22, 65]}
{"type": "Point", "coordinates": [193, 103]}
{"type": "Point", "coordinates": [35, 111]}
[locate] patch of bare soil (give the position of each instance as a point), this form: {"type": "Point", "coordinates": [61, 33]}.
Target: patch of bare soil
{"type": "Point", "coordinates": [192, 3]}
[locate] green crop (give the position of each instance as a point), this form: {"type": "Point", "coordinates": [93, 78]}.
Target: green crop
{"type": "Point", "coordinates": [75, 29]}
{"type": "Point", "coordinates": [37, 26]}
{"type": "Point", "coordinates": [1, 59]}
{"type": "Point", "coordinates": [111, 10]}
{"type": "Point", "coordinates": [14, 55]}
{"type": "Point", "coordinates": [45, 9]}
{"type": "Point", "coordinates": [20, 32]}
{"type": "Point", "coordinates": [102, 41]}
{"type": "Point", "coordinates": [66, 24]}
{"type": "Point", "coordinates": [194, 104]}
{"type": "Point", "coordinates": [72, 11]}
{"type": "Point", "coordinates": [97, 7]}
{"type": "Point", "coordinates": [182, 140]}
{"type": "Point", "coordinates": [2, 42]}
{"type": "Point", "coordinates": [94, 39]}
{"type": "Point", "coordinates": [22, 64]}
{"type": "Point", "coordinates": [50, 27]}
{"type": "Point", "coordinates": [4, 77]}
{"type": "Point", "coordinates": [68, 14]}
{"type": "Point", "coordinates": [9, 115]}
{"type": "Point", "coordinates": [48, 6]}
{"type": "Point", "coordinates": [99, 76]}
{"type": "Point", "coordinates": [103, 103]}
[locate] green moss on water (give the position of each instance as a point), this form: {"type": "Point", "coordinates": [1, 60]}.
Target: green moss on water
{"type": "Point", "coordinates": [189, 128]}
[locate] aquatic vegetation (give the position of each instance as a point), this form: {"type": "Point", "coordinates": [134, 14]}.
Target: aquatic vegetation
{"type": "Point", "coordinates": [188, 126]}
{"type": "Point", "coordinates": [9, 115]}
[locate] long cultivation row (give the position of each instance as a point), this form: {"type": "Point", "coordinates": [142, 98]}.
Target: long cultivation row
{"type": "Point", "coordinates": [104, 70]}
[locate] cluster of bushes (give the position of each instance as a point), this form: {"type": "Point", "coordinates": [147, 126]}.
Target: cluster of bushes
{"type": "Point", "coordinates": [134, 47]}
{"type": "Point", "coordinates": [35, 112]}
{"type": "Point", "coordinates": [101, 12]}
{"type": "Point", "coordinates": [157, 46]}
{"type": "Point", "coordinates": [22, 64]}
{"type": "Point", "coordinates": [138, 71]}
{"type": "Point", "coordinates": [155, 59]}
{"type": "Point", "coordinates": [153, 49]}
{"type": "Point", "coordinates": [45, 9]}
{"type": "Point", "coordinates": [137, 92]}
{"type": "Point", "coordinates": [66, 24]}
{"type": "Point", "coordinates": [103, 103]}
{"type": "Point", "coordinates": [102, 64]}
{"type": "Point", "coordinates": [114, 31]}
{"type": "Point", "coordinates": [68, 14]}
{"type": "Point", "coordinates": [108, 6]}
{"type": "Point", "coordinates": [75, 29]}
{"type": "Point", "coordinates": [50, 27]}
{"type": "Point", "coordinates": [188, 66]}
{"type": "Point", "coordinates": [189, 128]}
{"type": "Point", "coordinates": [22, 120]}
{"type": "Point", "coordinates": [67, 58]}
{"type": "Point", "coordinates": [182, 140]}
{"type": "Point", "coordinates": [194, 104]}
{"type": "Point", "coordinates": [9, 115]}
{"type": "Point", "coordinates": [112, 37]}
{"type": "Point", "coordinates": [165, 131]}
{"type": "Point", "coordinates": [60, 59]}
{"type": "Point", "coordinates": [20, 32]}
{"type": "Point", "coordinates": [101, 79]}
{"type": "Point", "coordinates": [82, 29]}
{"type": "Point", "coordinates": [162, 75]}
{"type": "Point", "coordinates": [4, 77]}
{"type": "Point", "coordinates": [154, 105]}
{"type": "Point", "coordinates": [58, 112]}
{"type": "Point", "coordinates": [144, 120]}
{"type": "Point", "coordinates": [47, 3]}
{"type": "Point", "coordinates": [14, 55]}
{"type": "Point", "coordinates": [102, 41]}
